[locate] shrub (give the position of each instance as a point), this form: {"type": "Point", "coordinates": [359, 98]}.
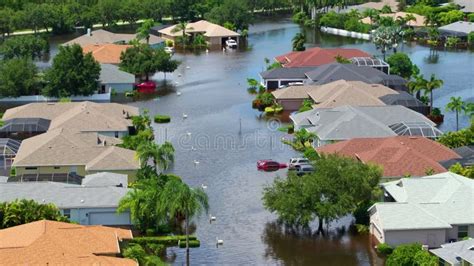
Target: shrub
{"type": "Point", "coordinates": [160, 119]}
{"type": "Point", "coordinates": [400, 64]}
{"type": "Point", "coordinates": [192, 243]}
{"type": "Point", "coordinates": [384, 249]}
{"type": "Point", "coordinates": [150, 232]}
{"type": "Point", "coordinates": [163, 240]}
{"type": "Point", "coordinates": [135, 252]}
{"type": "Point", "coordinates": [13, 171]}
{"type": "Point", "coordinates": [470, 17]}
{"type": "Point", "coordinates": [311, 154]}
{"type": "Point", "coordinates": [299, 18]}
{"type": "Point", "coordinates": [470, 37]}
{"type": "Point", "coordinates": [410, 254]}
{"type": "Point", "coordinates": [452, 41]}
{"type": "Point", "coordinates": [156, 249]}
{"type": "Point", "coordinates": [305, 106]}
{"type": "Point", "coordinates": [169, 43]}
{"type": "Point", "coordinates": [436, 112]}
{"type": "Point", "coordinates": [332, 19]}
{"type": "Point", "coordinates": [65, 100]}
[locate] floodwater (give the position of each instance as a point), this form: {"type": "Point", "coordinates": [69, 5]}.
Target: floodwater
{"type": "Point", "coordinates": [221, 139]}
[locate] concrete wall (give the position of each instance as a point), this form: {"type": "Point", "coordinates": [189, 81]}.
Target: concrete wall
{"type": "Point", "coordinates": [132, 174]}
{"type": "Point", "coordinates": [432, 237]}
{"type": "Point", "coordinates": [103, 216]}
{"type": "Point", "coordinates": [290, 104]}
{"type": "Point", "coordinates": [340, 32]}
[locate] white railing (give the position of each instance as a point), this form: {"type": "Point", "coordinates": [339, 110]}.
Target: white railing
{"type": "Point", "coordinates": [103, 97]}
{"type": "Point", "coordinates": [345, 33]}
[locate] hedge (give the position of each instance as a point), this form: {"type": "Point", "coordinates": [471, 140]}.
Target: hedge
{"type": "Point", "coordinates": [160, 119]}
{"type": "Point", "coordinates": [163, 240]}
{"type": "Point", "coordinates": [384, 249]}
{"type": "Point", "coordinates": [192, 243]}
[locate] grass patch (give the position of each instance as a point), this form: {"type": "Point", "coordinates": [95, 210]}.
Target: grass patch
{"type": "Point", "coordinates": [161, 119]}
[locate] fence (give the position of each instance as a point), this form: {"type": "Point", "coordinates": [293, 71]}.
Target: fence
{"type": "Point", "coordinates": [345, 33]}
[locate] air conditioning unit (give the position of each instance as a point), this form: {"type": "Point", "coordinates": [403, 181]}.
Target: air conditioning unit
{"type": "Point", "coordinates": [424, 247]}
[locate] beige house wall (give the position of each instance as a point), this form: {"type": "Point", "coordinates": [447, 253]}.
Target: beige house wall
{"type": "Point", "coordinates": [290, 104]}
{"type": "Point", "coordinates": [431, 237]}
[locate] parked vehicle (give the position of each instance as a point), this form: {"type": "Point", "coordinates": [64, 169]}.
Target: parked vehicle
{"type": "Point", "coordinates": [270, 165]}
{"type": "Point", "coordinates": [146, 87]}
{"type": "Point", "coordinates": [169, 50]}
{"type": "Point", "coordinates": [304, 169]}
{"type": "Point", "coordinates": [231, 43]}
{"type": "Point", "coordinates": [296, 162]}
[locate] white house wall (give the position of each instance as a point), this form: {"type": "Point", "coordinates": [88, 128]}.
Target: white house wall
{"type": "Point", "coordinates": [431, 237]}
{"type": "Point", "coordinates": [118, 87]}
{"type": "Point", "coordinates": [81, 216]}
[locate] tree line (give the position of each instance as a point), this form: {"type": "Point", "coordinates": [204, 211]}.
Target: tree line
{"type": "Point", "coordinates": [64, 16]}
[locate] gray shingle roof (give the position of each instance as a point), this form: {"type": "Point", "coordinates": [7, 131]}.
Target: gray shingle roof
{"type": "Point", "coordinates": [453, 251]}
{"type": "Point", "coordinates": [467, 154]}
{"type": "Point", "coordinates": [111, 74]}
{"type": "Point", "coordinates": [467, 6]}
{"type": "Point", "coordinates": [447, 196]}
{"type": "Point", "coordinates": [105, 179]}
{"type": "Point", "coordinates": [347, 122]}
{"type": "Point", "coordinates": [287, 73]}
{"type": "Point", "coordinates": [63, 195]}
{"type": "Point", "coordinates": [332, 72]}
{"type": "Point", "coordinates": [461, 27]}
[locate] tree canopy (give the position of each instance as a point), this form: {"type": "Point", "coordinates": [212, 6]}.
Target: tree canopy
{"type": "Point", "coordinates": [400, 64]}
{"type": "Point", "coordinates": [336, 189]}
{"type": "Point", "coordinates": [18, 77]}
{"type": "Point", "coordinates": [411, 254]}
{"type": "Point", "coordinates": [142, 60]}
{"type": "Point", "coordinates": [25, 211]}
{"type": "Point", "coordinates": [24, 46]}
{"type": "Point", "coordinates": [72, 73]}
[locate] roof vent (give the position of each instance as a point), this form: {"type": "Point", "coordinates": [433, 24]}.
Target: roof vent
{"type": "Point", "coordinates": [400, 184]}
{"type": "Point", "coordinates": [82, 201]}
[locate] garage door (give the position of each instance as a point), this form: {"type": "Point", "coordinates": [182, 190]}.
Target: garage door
{"type": "Point", "coordinates": [109, 218]}
{"type": "Point", "coordinates": [271, 85]}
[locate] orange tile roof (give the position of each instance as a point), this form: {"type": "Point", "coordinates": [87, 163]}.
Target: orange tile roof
{"type": "Point", "coordinates": [56, 243]}
{"type": "Point", "coordinates": [399, 156]}
{"type": "Point", "coordinates": [318, 56]}
{"type": "Point", "coordinates": [106, 53]}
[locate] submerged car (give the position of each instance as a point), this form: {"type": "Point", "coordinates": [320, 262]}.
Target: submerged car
{"type": "Point", "coordinates": [297, 162]}
{"type": "Point", "coordinates": [270, 165]}
{"type": "Point", "coordinates": [231, 43]}
{"type": "Point", "coordinates": [304, 169]}
{"type": "Point", "coordinates": [169, 50]}
{"type": "Point", "coordinates": [146, 87]}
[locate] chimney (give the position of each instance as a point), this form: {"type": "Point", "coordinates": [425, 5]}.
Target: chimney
{"type": "Point", "coordinates": [89, 33]}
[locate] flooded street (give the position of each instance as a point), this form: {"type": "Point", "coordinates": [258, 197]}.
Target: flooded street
{"type": "Point", "coordinates": [221, 139]}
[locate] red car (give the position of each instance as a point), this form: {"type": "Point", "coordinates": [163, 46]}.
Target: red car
{"type": "Point", "coordinates": [270, 165]}
{"type": "Point", "coordinates": [146, 87]}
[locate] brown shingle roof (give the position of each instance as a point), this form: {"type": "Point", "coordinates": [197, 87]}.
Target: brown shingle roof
{"type": "Point", "coordinates": [70, 148]}
{"type": "Point", "coordinates": [55, 243]}
{"type": "Point", "coordinates": [207, 28]}
{"type": "Point", "coordinates": [317, 56]}
{"type": "Point", "coordinates": [419, 20]}
{"type": "Point", "coordinates": [106, 53]}
{"type": "Point", "coordinates": [103, 37]}
{"type": "Point", "coordinates": [398, 155]}
{"type": "Point", "coordinates": [81, 116]}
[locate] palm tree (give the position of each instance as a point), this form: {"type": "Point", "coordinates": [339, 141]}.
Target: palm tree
{"type": "Point", "coordinates": [143, 32]}
{"type": "Point", "coordinates": [469, 110]}
{"type": "Point", "coordinates": [161, 155]}
{"type": "Point", "coordinates": [417, 85]}
{"type": "Point", "coordinates": [181, 199]}
{"type": "Point", "coordinates": [456, 105]}
{"type": "Point", "coordinates": [431, 85]}
{"type": "Point", "coordinates": [298, 42]}
{"type": "Point", "coordinates": [183, 27]}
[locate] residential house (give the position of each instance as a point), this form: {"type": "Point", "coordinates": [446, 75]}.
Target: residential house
{"type": "Point", "coordinates": [430, 210]}
{"type": "Point", "coordinates": [458, 29]}
{"type": "Point", "coordinates": [106, 53]}
{"type": "Point", "coordinates": [399, 156]}
{"type": "Point", "coordinates": [22, 127]}
{"type": "Point", "coordinates": [112, 79]}
{"type": "Point", "coordinates": [317, 56]}
{"type": "Point", "coordinates": [467, 6]}
{"type": "Point", "coordinates": [466, 157]}
{"type": "Point", "coordinates": [456, 254]}
{"type": "Point", "coordinates": [56, 243]}
{"type": "Point", "coordinates": [214, 34]}
{"type": "Point", "coordinates": [342, 92]}
{"type": "Point", "coordinates": [279, 77]}
{"type": "Point", "coordinates": [418, 22]}
{"type": "Point", "coordinates": [351, 72]}
{"type": "Point", "coordinates": [94, 202]}
{"type": "Point", "coordinates": [348, 122]}
{"type": "Point", "coordinates": [65, 152]}
{"type": "Point", "coordinates": [109, 119]}
{"type": "Point", "coordinates": [98, 37]}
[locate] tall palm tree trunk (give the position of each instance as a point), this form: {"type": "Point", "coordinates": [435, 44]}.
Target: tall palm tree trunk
{"type": "Point", "coordinates": [431, 101]}
{"type": "Point", "coordinates": [457, 120]}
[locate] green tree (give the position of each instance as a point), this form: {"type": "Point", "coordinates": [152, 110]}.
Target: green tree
{"type": "Point", "coordinates": [143, 32]}
{"type": "Point", "coordinates": [7, 22]}
{"type": "Point", "coordinates": [181, 199]}
{"type": "Point", "coordinates": [298, 42]}
{"type": "Point", "coordinates": [24, 47]}
{"type": "Point", "coordinates": [386, 38]}
{"type": "Point", "coordinates": [24, 211]}
{"type": "Point", "coordinates": [72, 73]}
{"type": "Point", "coordinates": [411, 254]}
{"type": "Point", "coordinates": [336, 189]}
{"type": "Point", "coordinates": [18, 77]}
{"type": "Point", "coordinates": [161, 155]}
{"type": "Point", "coordinates": [130, 11]}
{"type": "Point", "coordinates": [233, 12]}
{"type": "Point", "coordinates": [182, 27]}
{"type": "Point", "coordinates": [463, 137]}
{"type": "Point", "coordinates": [400, 64]}
{"type": "Point", "coordinates": [108, 11]}
{"type": "Point", "coordinates": [432, 84]}
{"type": "Point", "coordinates": [457, 105]}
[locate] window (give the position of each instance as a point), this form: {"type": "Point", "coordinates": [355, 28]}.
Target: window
{"type": "Point", "coordinates": [67, 213]}
{"type": "Point", "coordinates": [116, 134]}
{"type": "Point", "coordinates": [463, 231]}
{"type": "Point", "coordinates": [57, 167]}
{"type": "Point", "coordinates": [31, 168]}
